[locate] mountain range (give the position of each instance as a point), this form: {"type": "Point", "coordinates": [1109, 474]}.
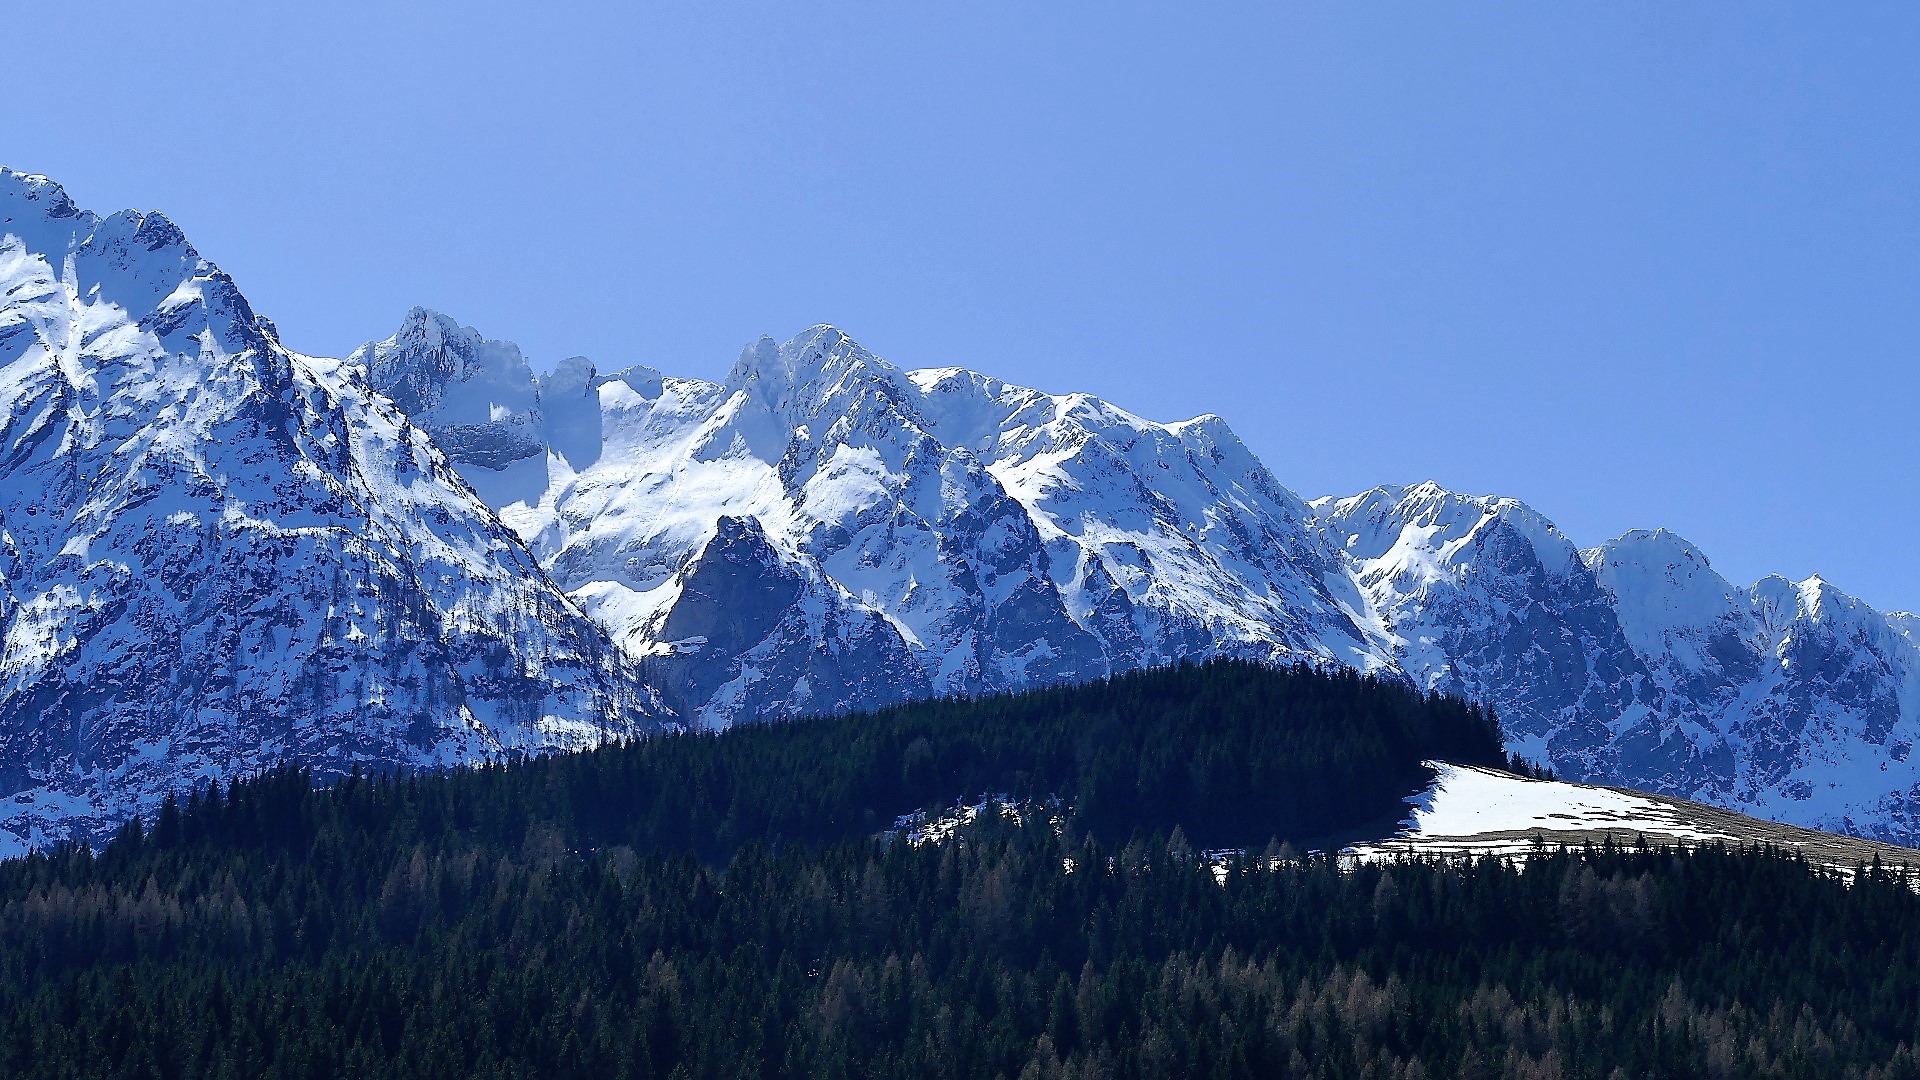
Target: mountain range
{"type": "Point", "coordinates": [219, 553]}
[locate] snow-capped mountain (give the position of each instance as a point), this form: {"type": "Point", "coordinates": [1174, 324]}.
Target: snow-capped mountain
{"type": "Point", "coordinates": [218, 554]}
{"type": "Point", "coordinates": [822, 512]}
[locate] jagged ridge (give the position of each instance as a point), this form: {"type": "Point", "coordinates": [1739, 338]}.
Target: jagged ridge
{"type": "Point", "coordinates": [1008, 537]}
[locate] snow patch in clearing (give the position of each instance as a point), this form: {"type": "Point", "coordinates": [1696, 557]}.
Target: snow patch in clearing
{"type": "Point", "coordinates": [1464, 801]}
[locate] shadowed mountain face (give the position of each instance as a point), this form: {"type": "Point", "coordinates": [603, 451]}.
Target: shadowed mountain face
{"type": "Point", "coordinates": [219, 554]}
{"type": "Point", "coordinates": [945, 532]}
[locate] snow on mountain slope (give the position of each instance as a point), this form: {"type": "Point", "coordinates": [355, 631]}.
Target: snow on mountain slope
{"type": "Point", "coordinates": [1672, 606]}
{"type": "Point", "coordinates": [1178, 525]}
{"type": "Point", "coordinates": [996, 536]}
{"type": "Point", "coordinates": [218, 554]}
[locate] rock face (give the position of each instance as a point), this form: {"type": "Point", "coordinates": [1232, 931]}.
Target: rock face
{"type": "Point", "coordinates": [219, 554]}
{"type": "Point", "coordinates": [940, 531]}
{"type": "Point", "coordinates": [475, 397]}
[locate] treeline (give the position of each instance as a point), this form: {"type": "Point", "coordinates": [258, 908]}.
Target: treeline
{"type": "Point", "coordinates": [1011, 951]}
{"type": "Point", "coordinates": [718, 906]}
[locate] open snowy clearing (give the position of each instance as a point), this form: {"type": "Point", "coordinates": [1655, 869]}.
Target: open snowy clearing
{"type": "Point", "coordinates": [1474, 811]}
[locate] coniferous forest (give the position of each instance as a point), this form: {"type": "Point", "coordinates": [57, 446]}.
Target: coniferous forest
{"type": "Point", "coordinates": [730, 905]}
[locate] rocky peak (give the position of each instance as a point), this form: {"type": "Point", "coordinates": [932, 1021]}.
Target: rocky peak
{"type": "Point", "coordinates": [477, 396]}
{"type": "Point", "coordinates": [1402, 538]}
{"type": "Point", "coordinates": [1664, 590]}
{"type": "Point", "coordinates": [430, 354]}
{"type": "Point", "coordinates": [27, 195]}
{"type": "Point", "coordinates": [820, 373]}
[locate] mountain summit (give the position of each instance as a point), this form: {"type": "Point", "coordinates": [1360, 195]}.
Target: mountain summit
{"type": "Point", "coordinates": [219, 554]}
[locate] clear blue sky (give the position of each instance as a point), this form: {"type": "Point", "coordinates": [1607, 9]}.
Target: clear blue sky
{"type": "Point", "coordinates": [1638, 264]}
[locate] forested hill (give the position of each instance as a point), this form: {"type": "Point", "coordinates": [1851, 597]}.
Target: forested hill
{"type": "Point", "coordinates": [1235, 753]}
{"type": "Point", "coordinates": [712, 906]}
